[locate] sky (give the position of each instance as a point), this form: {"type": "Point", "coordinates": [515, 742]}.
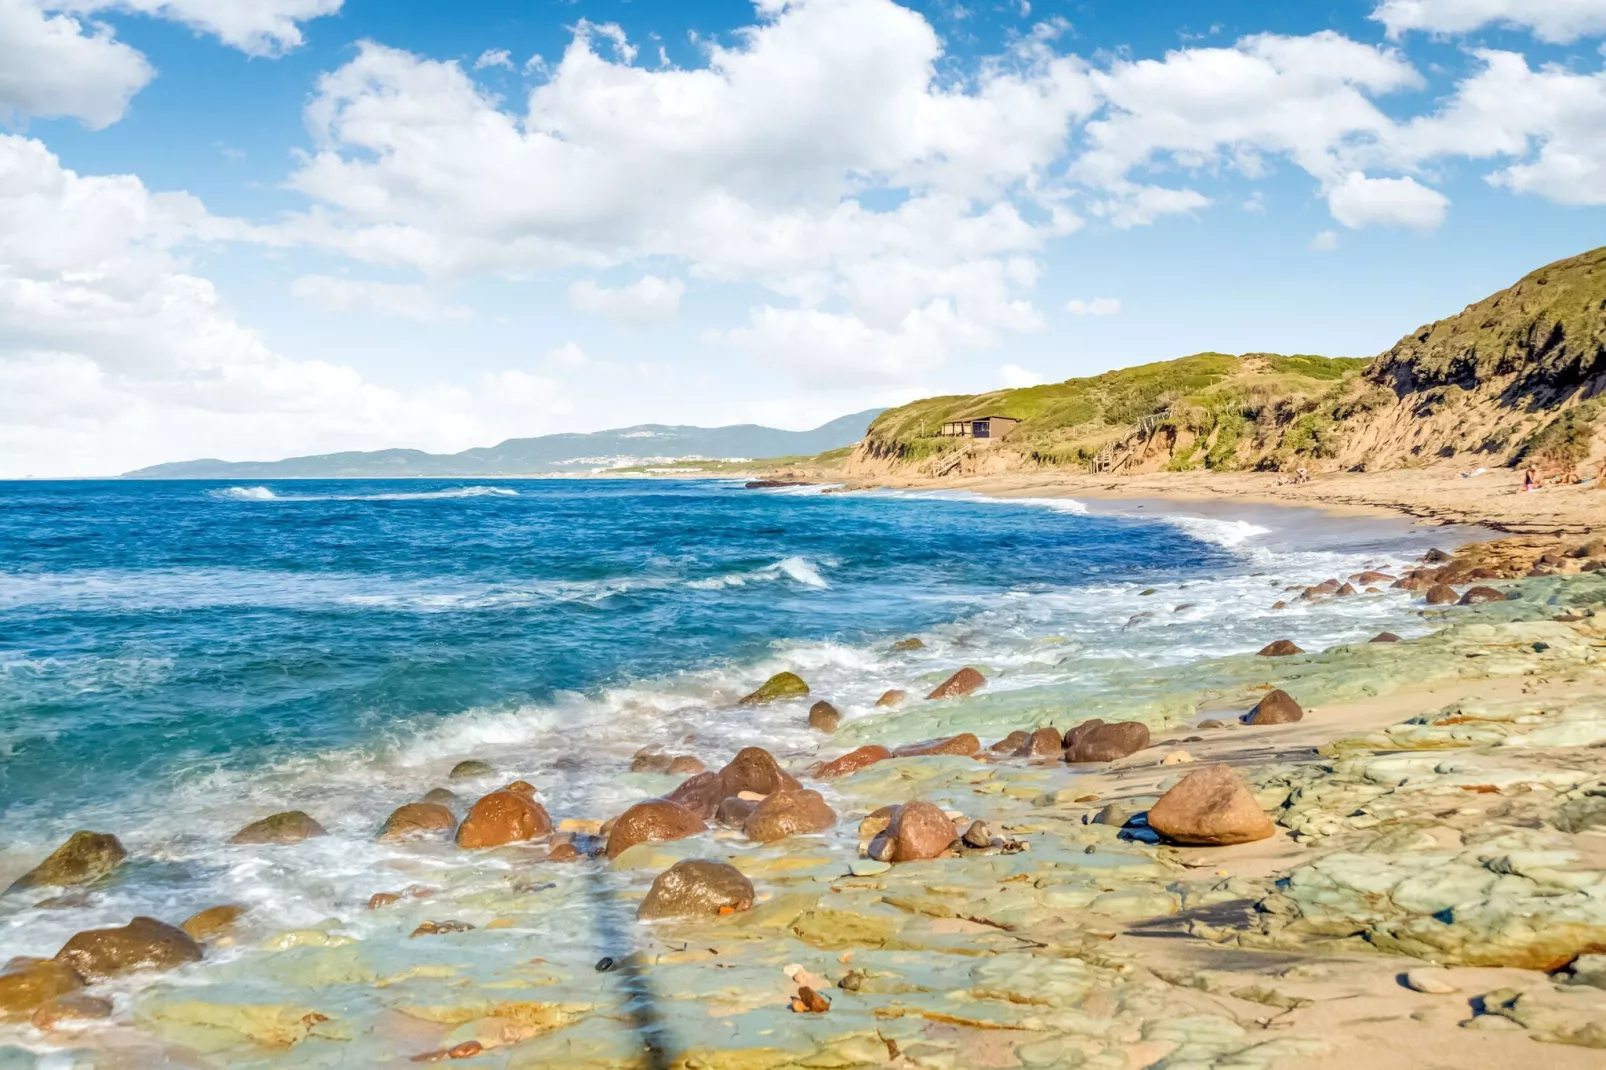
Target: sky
{"type": "Point", "coordinates": [249, 229]}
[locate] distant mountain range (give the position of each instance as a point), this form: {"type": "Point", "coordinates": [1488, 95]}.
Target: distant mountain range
{"type": "Point", "coordinates": [544, 455]}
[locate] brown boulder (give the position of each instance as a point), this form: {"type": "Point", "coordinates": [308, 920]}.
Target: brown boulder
{"type": "Point", "coordinates": [755, 769]}
{"type": "Point", "coordinates": [1384, 637]}
{"type": "Point", "coordinates": [734, 812]}
{"type": "Point", "coordinates": [1346, 590]}
{"type": "Point", "coordinates": [653, 821]}
{"type": "Point", "coordinates": [909, 644]}
{"type": "Point", "coordinates": [687, 765]}
{"type": "Point", "coordinates": [25, 984]}
{"type": "Point", "coordinates": [1210, 807]}
{"type": "Point", "coordinates": [1043, 743]}
{"type": "Point", "coordinates": [1011, 744]}
{"type": "Point", "coordinates": [521, 787]}
{"type": "Point", "coordinates": [86, 857]}
{"type": "Point", "coordinates": [853, 761]}
{"type": "Point", "coordinates": [893, 697]}
{"type": "Point", "coordinates": [697, 888]}
{"type": "Point", "coordinates": [701, 794]}
{"type": "Point", "coordinates": [965, 744]}
{"type": "Point", "coordinates": [824, 717]}
{"type": "Point", "coordinates": [73, 1007]}
{"type": "Point", "coordinates": [212, 922]}
{"type": "Point", "coordinates": [1329, 586]}
{"type": "Point", "coordinates": [918, 830]}
{"type": "Point", "coordinates": [1442, 594]}
{"type": "Point", "coordinates": [418, 819]}
{"type": "Point", "coordinates": [1105, 742]}
{"type": "Point", "coordinates": [440, 796]}
{"type": "Point", "coordinates": [1277, 707]}
{"type": "Point", "coordinates": [963, 682]}
{"type": "Point", "coordinates": [292, 826]}
{"type": "Point", "coordinates": [788, 813]}
{"type": "Point", "coordinates": [1482, 594]}
{"type": "Point", "coordinates": [1282, 648]}
{"type": "Point", "coordinates": [1413, 583]}
{"type": "Point", "coordinates": [1370, 576]}
{"type": "Point", "coordinates": [503, 817]}
{"type": "Point", "coordinates": [142, 944]}
{"type": "Point", "coordinates": [650, 760]}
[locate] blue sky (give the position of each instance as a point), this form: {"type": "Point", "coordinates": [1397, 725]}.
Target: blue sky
{"type": "Point", "coordinates": [255, 228]}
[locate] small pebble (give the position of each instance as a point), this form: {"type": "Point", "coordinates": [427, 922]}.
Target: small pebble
{"type": "Point", "coordinates": [605, 964]}
{"type": "Point", "coordinates": [1433, 982]}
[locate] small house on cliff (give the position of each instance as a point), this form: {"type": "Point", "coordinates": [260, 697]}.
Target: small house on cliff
{"type": "Point", "coordinates": [983, 428]}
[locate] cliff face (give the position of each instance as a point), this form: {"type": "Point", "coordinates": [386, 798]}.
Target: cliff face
{"type": "Point", "coordinates": [1511, 379]}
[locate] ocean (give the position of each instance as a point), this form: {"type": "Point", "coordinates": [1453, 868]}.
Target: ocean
{"type": "Point", "coordinates": [180, 658]}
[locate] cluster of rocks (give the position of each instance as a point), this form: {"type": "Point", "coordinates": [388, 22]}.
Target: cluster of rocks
{"type": "Point", "coordinates": [823, 716]}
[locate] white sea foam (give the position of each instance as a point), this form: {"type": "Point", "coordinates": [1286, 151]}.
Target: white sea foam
{"type": "Point", "coordinates": [245, 494]}
{"type": "Point", "coordinates": [1227, 533]}
{"type": "Point", "coordinates": [263, 494]}
{"type": "Point", "coordinates": [798, 569]}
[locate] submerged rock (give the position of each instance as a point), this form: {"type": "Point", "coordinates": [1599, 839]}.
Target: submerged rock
{"type": "Point", "coordinates": [894, 697]}
{"type": "Point", "coordinates": [1481, 594]}
{"type": "Point", "coordinates": [469, 768]}
{"type": "Point", "coordinates": [1095, 741]}
{"type": "Point", "coordinates": [918, 830]}
{"type": "Point", "coordinates": [701, 794]}
{"type": "Point", "coordinates": [782, 685]}
{"type": "Point", "coordinates": [755, 769]}
{"type": "Point", "coordinates": [909, 644]}
{"type": "Point", "coordinates": [963, 682]}
{"type": "Point", "coordinates": [440, 796]}
{"type": "Point", "coordinates": [697, 888]}
{"type": "Point", "coordinates": [1442, 594]}
{"type": "Point", "coordinates": [853, 761]}
{"type": "Point", "coordinates": [73, 1007]}
{"type": "Point", "coordinates": [418, 819]}
{"type": "Point", "coordinates": [86, 857]}
{"type": "Point", "coordinates": [653, 821]}
{"type": "Point", "coordinates": [824, 717]}
{"type": "Point", "coordinates": [142, 944]}
{"type": "Point", "coordinates": [1208, 808]}
{"type": "Point", "coordinates": [686, 765]}
{"type": "Point", "coordinates": [503, 817]}
{"type": "Point", "coordinates": [212, 923]}
{"type": "Point", "coordinates": [788, 813]}
{"type": "Point", "coordinates": [965, 744]}
{"type": "Point", "coordinates": [650, 760]}
{"type": "Point", "coordinates": [26, 984]}
{"type": "Point", "coordinates": [1278, 707]}
{"type": "Point", "coordinates": [292, 826]}
{"type": "Point", "coordinates": [1282, 648]}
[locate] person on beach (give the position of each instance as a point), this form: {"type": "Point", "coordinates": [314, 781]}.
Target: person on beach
{"type": "Point", "coordinates": [1528, 480]}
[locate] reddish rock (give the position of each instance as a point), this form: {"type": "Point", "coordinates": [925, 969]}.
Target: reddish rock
{"type": "Point", "coordinates": [755, 769]}
{"type": "Point", "coordinates": [697, 888]}
{"type": "Point", "coordinates": [653, 821]}
{"type": "Point", "coordinates": [1043, 743]}
{"type": "Point", "coordinates": [1370, 577]}
{"type": "Point", "coordinates": [876, 822]}
{"type": "Point", "coordinates": [686, 765]}
{"type": "Point", "coordinates": [963, 682]}
{"type": "Point", "coordinates": [1442, 594]}
{"type": "Point", "coordinates": [1210, 807]}
{"type": "Point", "coordinates": [27, 983]}
{"type": "Point", "coordinates": [788, 813]}
{"type": "Point", "coordinates": [290, 827]}
{"type": "Point", "coordinates": [1329, 586]}
{"type": "Point", "coordinates": [416, 820]}
{"type": "Point", "coordinates": [142, 944]}
{"type": "Point", "coordinates": [521, 787]}
{"type": "Point", "coordinates": [73, 1007]}
{"type": "Point", "coordinates": [853, 761]}
{"type": "Point", "coordinates": [893, 697]}
{"type": "Point", "coordinates": [824, 717]}
{"type": "Point", "coordinates": [1413, 583]}
{"type": "Point", "coordinates": [212, 923]}
{"type": "Point", "coordinates": [1482, 594]}
{"type": "Point", "coordinates": [964, 744]}
{"type": "Point", "coordinates": [1384, 637]}
{"type": "Point", "coordinates": [1277, 707]}
{"type": "Point", "coordinates": [563, 852]}
{"type": "Point", "coordinates": [918, 830]}
{"type": "Point", "coordinates": [700, 794]}
{"type": "Point", "coordinates": [1346, 590]}
{"type": "Point", "coordinates": [734, 812]}
{"type": "Point", "coordinates": [1011, 744]}
{"type": "Point", "coordinates": [503, 817]}
{"type": "Point", "coordinates": [1282, 648]}
{"type": "Point", "coordinates": [1100, 742]}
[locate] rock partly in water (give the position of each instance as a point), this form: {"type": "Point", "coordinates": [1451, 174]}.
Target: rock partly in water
{"type": "Point", "coordinates": [26, 984]}
{"type": "Point", "coordinates": [1043, 743]}
{"type": "Point", "coordinates": [734, 812]}
{"type": "Point", "coordinates": [697, 888]}
{"type": "Point", "coordinates": [415, 820]}
{"type": "Point", "coordinates": [782, 685]}
{"type": "Point", "coordinates": [503, 817]}
{"type": "Point", "coordinates": [440, 796]}
{"type": "Point", "coordinates": [1210, 807]}
{"type": "Point", "coordinates": [701, 794]}
{"type": "Point", "coordinates": [86, 857]}
{"type": "Point", "coordinates": [1384, 637]}
{"type": "Point", "coordinates": [965, 744]}
{"type": "Point", "coordinates": [1012, 744]}
{"type": "Point", "coordinates": [1442, 594]}
{"type": "Point", "coordinates": [853, 761]}
{"type": "Point", "coordinates": [73, 1007]}
{"type": "Point", "coordinates": [212, 924]}
{"type": "Point", "coordinates": [1095, 741]}
{"type": "Point", "coordinates": [142, 944]}
{"type": "Point", "coordinates": [894, 697]}
{"type": "Point", "coordinates": [292, 826]}
{"type": "Point", "coordinates": [1282, 648]}
{"type": "Point", "coordinates": [755, 769]}
{"type": "Point", "coordinates": [963, 682]}
{"type": "Point", "coordinates": [470, 768]}
{"type": "Point", "coordinates": [650, 760]}
{"type": "Point", "coordinates": [824, 717]}
{"type": "Point", "coordinates": [909, 644]}
{"type": "Point", "coordinates": [1481, 594]}
{"type": "Point", "coordinates": [653, 821]}
{"type": "Point", "coordinates": [788, 813]}
{"type": "Point", "coordinates": [918, 830]}
{"type": "Point", "coordinates": [686, 765]}
{"type": "Point", "coordinates": [1277, 707]}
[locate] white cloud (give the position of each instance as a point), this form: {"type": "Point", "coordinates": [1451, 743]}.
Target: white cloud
{"type": "Point", "coordinates": [259, 27]}
{"type": "Point", "coordinates": [1098, 306]}
{"type": "Point", "coordinates": [1557, 21]}
{"type": "Point", "coordinates": [1324, 242]}
{"type": "Point", "coordinates": [648, 300]}
{"type": "Point", "coordinates": [114, 354]}
{"type": "Point", "coordinates": [1013, 376]}
{"type": "Point", "coordinates": [390, 300]}
{"type": "Point", "coordinates": [1359, 201]}
{"type": "Point", "coordinates": [494, 57]}
{"type": "Point", "coordinates": [569, 355]}
{"type": "Point", "coordinates": [53, 65]}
